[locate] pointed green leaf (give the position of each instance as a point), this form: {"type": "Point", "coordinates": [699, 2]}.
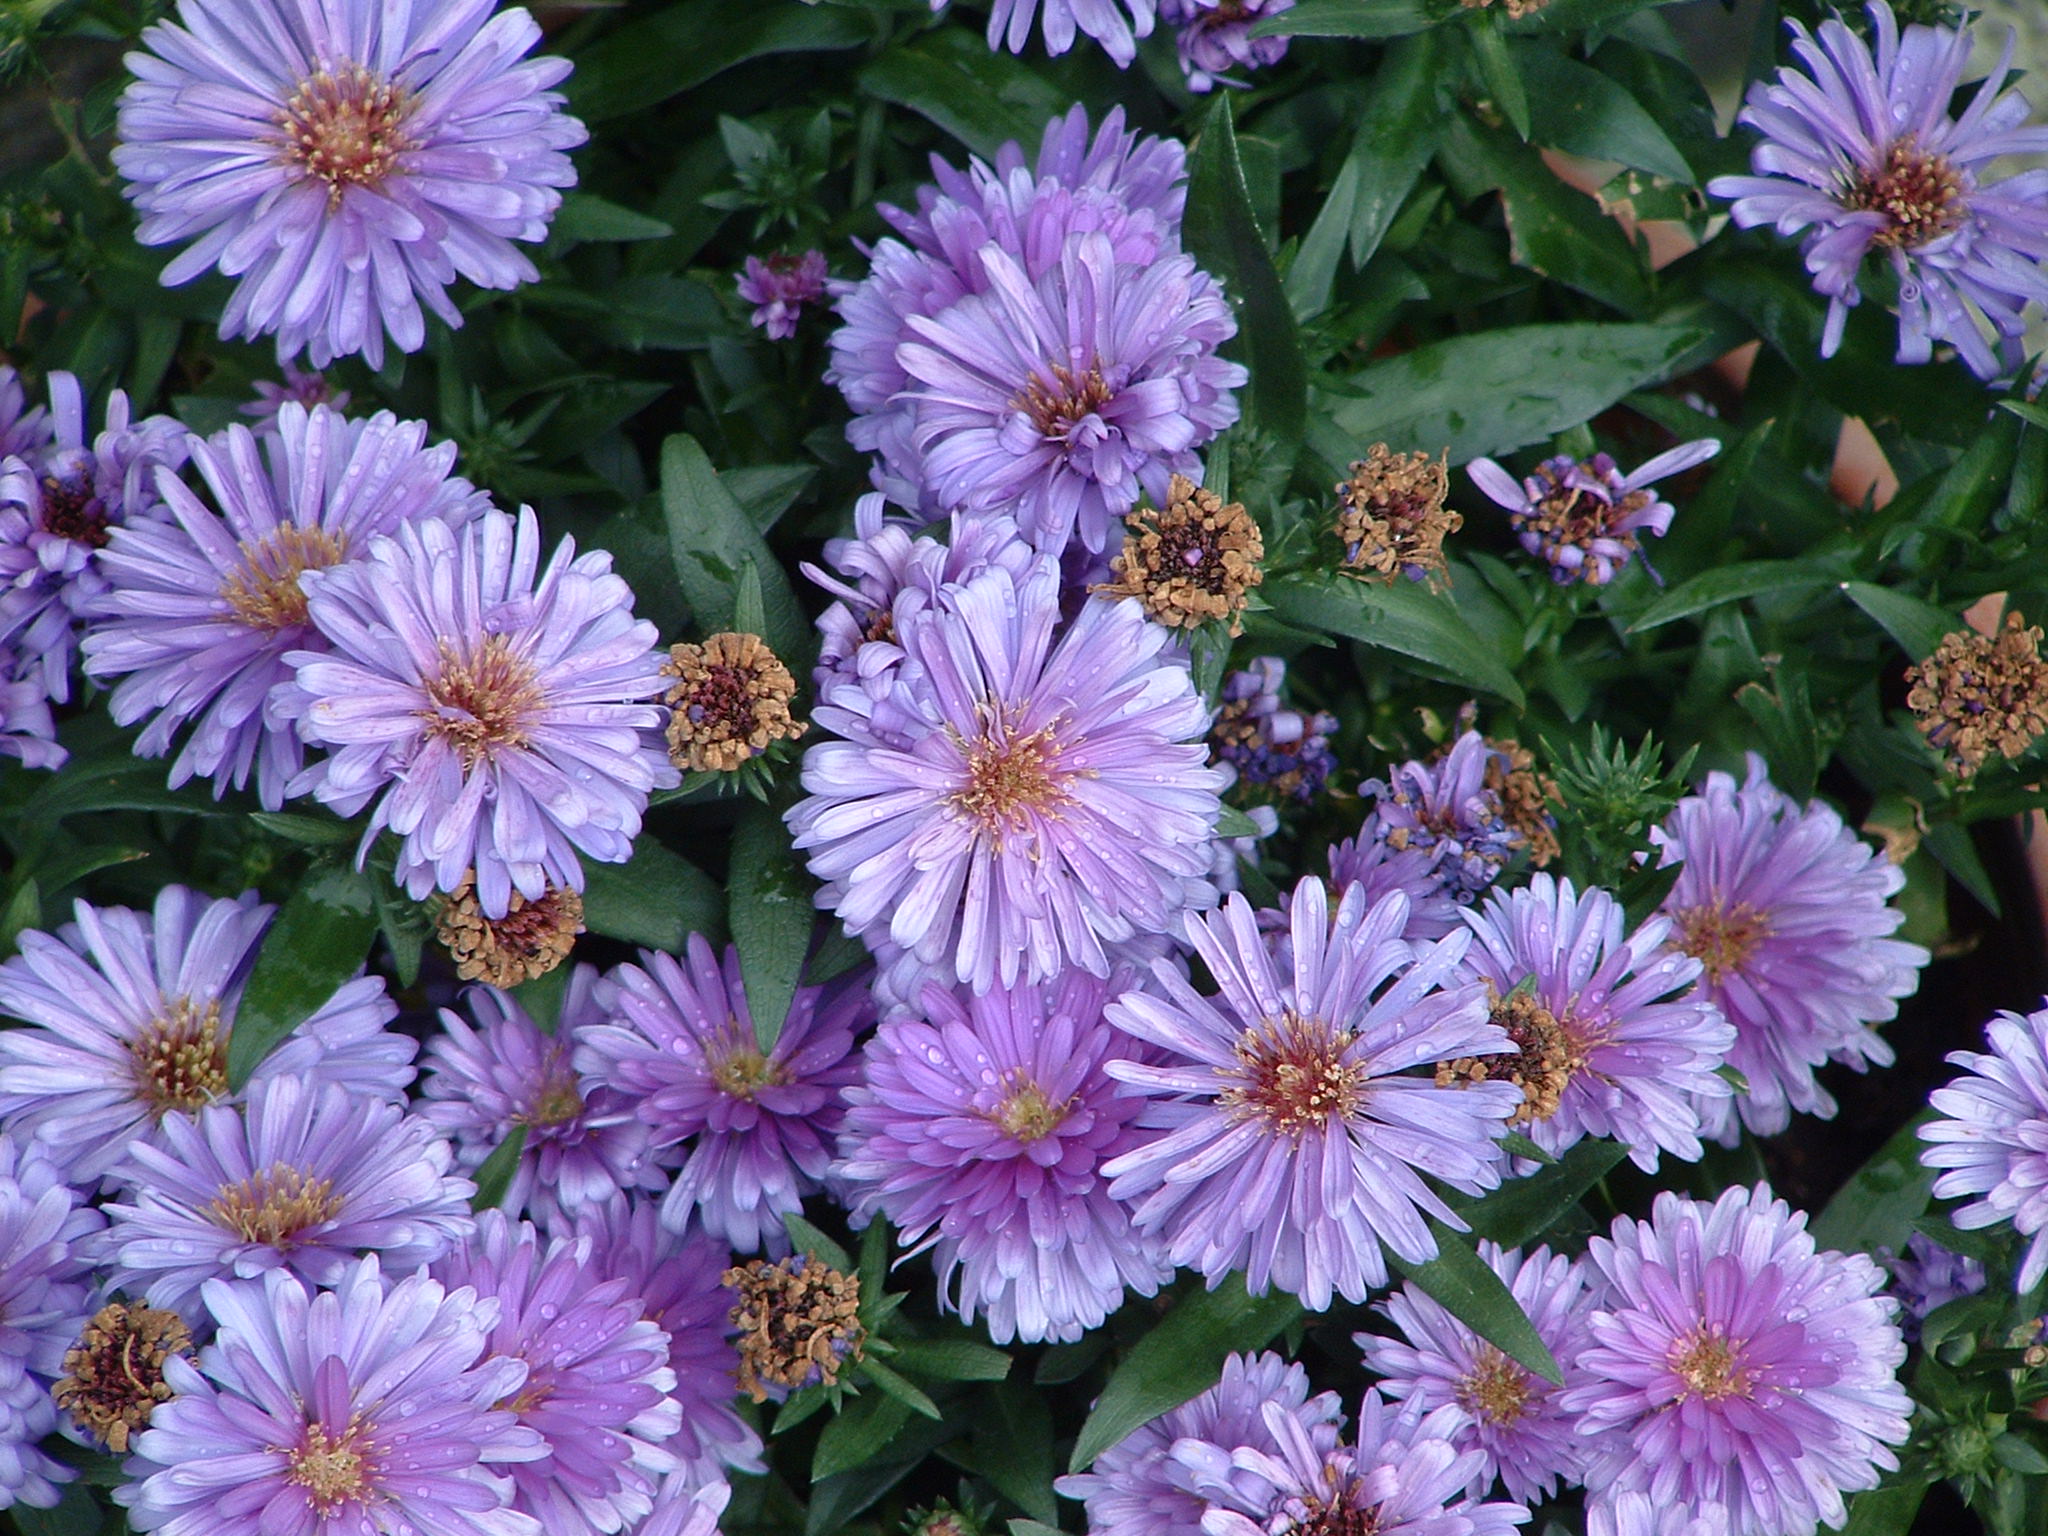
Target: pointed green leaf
{"type": "Point", "coordinates": [769, 912]}
{"type": "Point", "coordinates": [318, 942]}
{"type": "Point", "coordinates": [807, 1239]}
{"type": "Point", "coordinates": [1350, 18]}
{"type": "Point", "coordinates": [712, 538]}
{"type": "Point", "coordinates": [1876, 1208]}
{"type": "Point", "coordinates": [858, 1433]}
{"type": "Point", "coordinates": [1574, 107]}
{"type": "Point", "coordinates": [657, 898]}
{"type": "Point", "coordinates": [1523, 1209]}
{"type": "Point", "coordinates": [1886, 1511]}
{"type": "Point", "coordinates": [983, 98]}
{"type": "Point", "coordinates": [1465, 1286]}
{"type": "Point", "coordinates": [677, 47]}
{"type": "Point", "coordinates": [494, 1174]}
{"type": "Point", "coordinates": [897, 1387]}
{"type": "Point", "coordinates": [1731, 584]}
{"type": "Point", "coordinates": [952, 1359]}
{"type": "Point", "coordinates": [585, 216]}
{"type": "Point", "coordinates": [1405, 618]}
{"type": "Point", "coordinates": [1497, 71]}
{"type": "Point", "coordinates": [1917, 626]}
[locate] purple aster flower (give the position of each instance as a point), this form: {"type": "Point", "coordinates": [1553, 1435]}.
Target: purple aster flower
{"type": "Point", "coordinates": [1786, 910]}
{"type": "Point", "coordinates": [301, 387]}
{"type": "Point", "coordinates": [1369, 860]}
{"type": "Point", "coordinates": [501, 711]}
{"type": "Point", "coordinates": [1215, 37]}
{"type": "Point", "coordinates": [1927, 1276]}
{"type": "Point", "coordinates": [981, 1129]}
{"type": "Point", "coordinates": [1608, 1046]}
{"type": "Point", "coordinates": [597, 1376]}
{"type": "Point", "coordinates": [1010, 22]}
{"type": "Point", "coordinates": [25, 431]}
{"type": "Point", "coordinates": [1065, 398]}
{"type": "Point", "coordinates": [685, 1511]}
{"type": "Point", "coordinates": [28, 731]}
{"type": "Point", "coordinates": [1291, 1136]}
{"type": "Point", "coordinates": [1585, 520]}
{"type": "Point", "coordinates": [1736, 1371]}
{"type": "Point", "coordinates": [1021, 798]}
{"type": "Point", "coordinates": [1142, 1485]}
{"type": "Point", "coordinates": [57, 505]}
{"type": "Point", "coordinates": [679, 1279]}
{"type": "Point", "coordinates": [1402, 1476]}
{"type": "Point", "coordinates": [202, 607]}
{"type": "Point", "coordinates": [130, 1016]}
{"type": "Point", "coordinates": [1863, 152]}
{"type": "Point", "coordinates": [344, 162]}
{"type": "Point", "coordinates": [581, 1148]}
{"type": "Point", "coordinates": [367, 1410]}
{"type": "Point", "coordinates": [44, 1304]}
{"type": "Point", "coordinates": [1991, 1136]}
{"type": "Point", "coordinates": [884, 567]}
{"type": "Point", "coordinates": [1447, 809]}
{"type": "Point", "coordinates": [1511, 1416]}
{"type": "Point", "coordinates": [307, 1178]}
{"type": "Point", "coordinates": [780, 287]}
{"type": "Point", "coordinates": [1635, 1514]}
{"type": "Point", "coordinates": [1276, 750]}
{"type": "Point", "coordinates": [679, 1047]}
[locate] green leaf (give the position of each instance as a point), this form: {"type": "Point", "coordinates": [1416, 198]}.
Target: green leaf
{"type": "Point", "coordinates": [711, 538]}
{"type": "Point", "coordinates": [1523, 1209]}
{"type": "Point", "coordinates": [313, 831]}
{"type": "Point", "coordinates": [1223, 234]}
{"type": "Point", "coordinates": [77, 1513]}
{"type": "Point", "coordinates": [657, 899]}
{"type": "Point", "coordinates": [1180, 1357]}
{"type": "Point", "coordinates": [1348, 18]}
{"type": "Point", "coordinates": [807, 1239]}
{"type": "Point", "coordinates": [908, 1395]}
{"type": "Point", "coordinates": [982, 97]}
{"type": "Point", "coordinates": [1731, 584]}
{"type": "Point", "coordinates": [317, 942]}
{"type": "Point", "coordinates": [769, 912]}
{"type": "Point", "coordinates": [1405, 618]}
{"type": "Point", "coordinates": [585, 216]}
{"type": "Point", "coordinates": [1876, 1208]}
{"type": "Point", "coordinates": [1950, 844]}
{"type": "Point", "coordinates": [1574, 107]}
{"type": "Point", "coordinates": [681, 46]}
{"type": "Point", "coordinates": [494, 1174]}
{"type": "Point", "coordinates": [766, 491]}
{"type": "Point", "coordinates": [952, 1359]}
{"type": "Point", "coordinates": [24, 910]}
{"type": "Point", "coordinates": [1234, 823]}
{"type": "Point", "coordinates": [858, 1434]}
{"type": "Point", "coordinates": [1497, 71]}
{"type": "Point", "coordinates": [1886, 1511]}
{"type": "Point", "coordinates": [1022, 1527]}
{"type": "Point", "coordinates": [749, 613]}
{"type": "Point", "coordinates": [1496, 391]}
{"type": "Point", "coordinates": [1012, 1447]}
{"type": "Point", "coordinates": [1918, 626]}
{"type": "Point", "coordinates": [1464, 1285]}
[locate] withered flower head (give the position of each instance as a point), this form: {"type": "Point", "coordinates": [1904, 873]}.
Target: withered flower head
{"type": "Point", "coordinates": [1525, 798]}
{"type": "Point", "coordinates": [799, 1324]}
{"type": "Point", "coordinates": [1191, 563]}
{"type": "Point", "coordinates": [731, 702]}
{"type": "Point", "coordinates": [1979, 694]}
{"type": "Point", "coordinates": [114, 1375]}
{"type": "Point", "coordinates": [531, 939]}
{"type": "Point", "coordinates": [1542, 1068]}
{"type": "Point", "coordinates": [1392, 518]}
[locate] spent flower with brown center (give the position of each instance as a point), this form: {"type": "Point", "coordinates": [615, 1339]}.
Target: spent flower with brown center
{"type": "Point", "coordinates": [730, 702]}
{"type": "Point", "coordinates": [1194, 562]}
{"type": "Point", "coordinates": [114, 1375]}
{"type": "Point", "coordinates": [1525, 798]}
{"type": "Point", "coordinates": [1542, 1065]}
{"type": "Point", "coordinates": [1391, 517]}
{"type": "Point", "coordinates": [799, 1324]}
{"type": "Point", "coordinates": [1980, 694]}
{"type": "Point", "coordinates": [531, 939]}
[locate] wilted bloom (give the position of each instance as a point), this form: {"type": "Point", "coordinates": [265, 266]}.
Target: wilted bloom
{"type": "Point", "coordinates": [1215, 37]}
{"type": "Point", "coordinates": [1402, 1475]}
{"type": "Point", "coordinates": [1512, 1415]}
{"type": "Point", "coordinates": [1024, 797]}
{"type": "Point", "coordinates": [44, 1284]}
{"type": "Point", "coordinates": [799, 1324]}
{"type": "Point", "coordinates": [301, 387]}
{"type": "Point", "coordinates": [530, 940]}
{"type": "Point", "coordinates": [1526, 795]}
{"type": "Point", "coordinates": [780, 287]}
{"type": "Point", "coordinates": [1785, 908]}
{"type": "Point", "coordinates": [980, 1130]}
{"type": "Point", "coordinates": [114, 1375]}
{"type": "Point", "coordinates": [305, 1178]}
{"type": "Point", "coordinates": [1391, 517]}
{"type": "Point", "coordinates": [1195, 561]}
{"type": "Point", "coordinates": [1980, 694]}
{"type": "Point", "coordinates": [1450, 809]}
{"type": "Point", "coordinates": [1989, 1142]}
{"type": "Point", "coordinates": [1010, 21]}
{"type": "Point", "coordinates": [1860, 149]}
{"type": "Point", "coordinates": [1290, 1131]}
{"type": "Point", "coordinates": [1611, 1037]}
{"type": "Point", "coordinates": [730, 702]}
{"type": "Point", "coordinates": [500, 714]}
{"type": "Point", "coordinates": [583, 1145]}
{"type": "Point", "coordinates": [1585, 519]}
{"type": "Point", "coordinates": [1143, 1485]}
{"type": "Point", "coordinates": [679, 1278]}
{"type": "Point", "coordinates": [203, 606]}
{"type": "Point", "coordinates": [1736, 1371]}
{"type": "Point", "coordinates": [1278, 752]}
{"type": "Point", "coordinates": [755, 1126]}
{"type": "Point", "coordinates": [1927, 1276]}
{"type": "Point", "coordinates": [597, 1376]}
{"type": "Point", "coordinates": [350, 168]}
{"type": "Point", "coordinates": [294, 1415]}
{"type": "Point", "coordinates": [58, 504]}
{"type": "Point", "coordinates": [130, 1016]}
